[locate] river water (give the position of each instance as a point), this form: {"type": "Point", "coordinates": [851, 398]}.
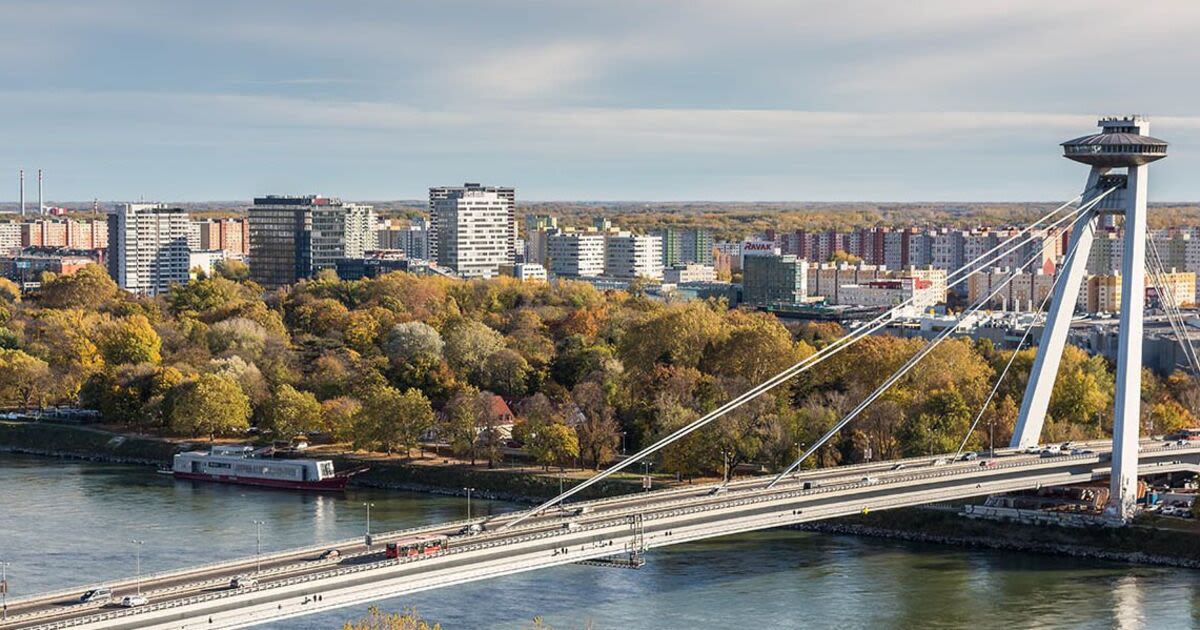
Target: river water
{"type": "Point", "coordinates": [65, 523]}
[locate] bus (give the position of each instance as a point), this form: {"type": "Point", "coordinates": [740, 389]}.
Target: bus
{"type": "Point", "coordinates": [416, 546]}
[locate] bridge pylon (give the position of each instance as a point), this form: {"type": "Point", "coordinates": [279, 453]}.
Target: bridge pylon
{"type": "Point", "coordinates": [1123, 143]}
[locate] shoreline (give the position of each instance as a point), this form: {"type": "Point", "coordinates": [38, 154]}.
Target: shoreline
{"type": "Point", "coordinates": [1135, 545]}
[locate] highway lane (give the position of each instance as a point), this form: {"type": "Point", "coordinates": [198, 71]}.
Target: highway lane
{"type": "Point", "coordinates": [836, 486]}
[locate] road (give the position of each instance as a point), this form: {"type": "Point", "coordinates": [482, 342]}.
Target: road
{"type": "Point", "coordinates": [297, 582]}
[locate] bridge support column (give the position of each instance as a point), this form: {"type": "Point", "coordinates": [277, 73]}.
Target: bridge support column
{"type": "Point", "coordinates": [1128, 396]}
{"type": "Point", "coordinates": [1058, 323]}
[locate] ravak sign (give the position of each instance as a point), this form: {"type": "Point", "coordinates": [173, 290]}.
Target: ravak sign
{"type": "Point", "coordinates": [760, 248]}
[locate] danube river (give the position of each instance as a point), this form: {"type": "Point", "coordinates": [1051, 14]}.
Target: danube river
{"type": "Point", "coordinates": [64, 523]}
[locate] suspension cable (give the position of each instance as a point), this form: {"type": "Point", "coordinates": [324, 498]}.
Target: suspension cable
{"type": "Point", "coordinates": [900, 373]}
{"type": "Point", "coordinates": [805, 364]}
{"type": "Point", "coordinates": [1171, 306]}
{"type": "Point", "coordinates": [1024, 337]}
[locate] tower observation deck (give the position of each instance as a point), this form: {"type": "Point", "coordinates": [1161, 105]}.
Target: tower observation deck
{"type": "Point", "coordinates": [1120, 144]}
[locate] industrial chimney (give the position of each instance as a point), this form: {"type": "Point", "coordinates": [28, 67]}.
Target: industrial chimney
{"type": "Point", "coordinates": [41, 205]}
{"type": "Point", "coordinates": [22, 193]}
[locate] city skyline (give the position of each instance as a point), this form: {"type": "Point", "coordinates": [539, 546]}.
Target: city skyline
{"type": "Point", "coordinates": [678, 102]}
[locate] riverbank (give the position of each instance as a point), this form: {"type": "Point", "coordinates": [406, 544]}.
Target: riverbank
{"type": "Point", "coordinates": [1138, 544]}
{"type": "Point", "coordinates": [517, 485]}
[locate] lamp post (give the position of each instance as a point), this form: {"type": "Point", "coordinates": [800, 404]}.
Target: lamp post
{"type": "Point", "coordinates": [646, 475]}
{"type": "Point", "coordinates": [367, 537]}
{"type": "Point", "coordinates": [137, 552]}
{"type": "Point", "coordinates": [469, 491]}
{"type": "Point", "coordinates": [622, 443]}
{"type": "Point", "coordinates": [258, 545]}
{"type": "Point", "coordinates": [4, 589]}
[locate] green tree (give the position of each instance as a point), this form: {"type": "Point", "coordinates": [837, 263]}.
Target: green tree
{"type": "Point", "coordinates": [456, 424]}
{"type": "Point", "coordinates": [130, 340]}
{"type": "Point", "coordinates": [939, 427]}
{"type": "Point", "coordinates": [390, 419]}
{"type": "Point", "coordinates": [290, 412]}
{"type": "Point", "coordinates": [553, 444]}
{"type": "Point", "coordinates": [506, 372]}
{"type": "Point", "coordinates": [211, 405]}
{"type": "Point", "coordinates": [338, 417]}
{"type": "Point", "coordinates": [232, 269]}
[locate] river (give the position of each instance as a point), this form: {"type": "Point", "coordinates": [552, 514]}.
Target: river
{"type": "Point", "coordinates": [65, 523]}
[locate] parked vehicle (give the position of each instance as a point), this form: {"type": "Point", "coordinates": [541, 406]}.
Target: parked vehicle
{"type": "Point", "coordinates": [102, 594]}
{"type": "Point", "coordinates": [243, 581]}
{"type": "Point", "coordinates": [133, 601]}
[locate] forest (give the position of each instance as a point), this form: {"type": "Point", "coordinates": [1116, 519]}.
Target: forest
{"type": "Point", "coordinates": [383, 364]}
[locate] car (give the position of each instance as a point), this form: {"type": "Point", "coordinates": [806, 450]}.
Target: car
{"type": "Point", "coordinates": [1082, 451]}
{"type": "Point", "coordinates": [987, 463]}
{"type": "Point", "coordinates": [133, 601]}
{"type": "Point", "coordinates": [101, 594]}
{"type": "Point", "coordinates": [809, 485]}
{"type": "Point", "coordinates": [243, 581]}
{"type": "Point", "coordinates": [870, 481]}
{"type": "Point", "coordinates": [1051, 452]}
{"type": "Point", "coordinates": [470, 530]}
{"type": "Point", "coordinates": [941, 461]}
{"type": "Point", "coordinates": [899, 467]}
{"type": "Point", "coordinates": [717, 490]}
{"type": "Point", "coordinates": [570, 526]}
{"type": "Point", "coordinates": [1066, 446]}
{"type": "Point", "coordinates": [330, 554]}
{"type": "Point", "coordinates": [969, 456]}
{"type": "Point", "coordinates": [1033, 450]}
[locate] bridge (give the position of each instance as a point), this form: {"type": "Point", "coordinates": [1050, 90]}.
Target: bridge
{"type": "Point", "coordinates": [614, 531]}
{"type": "Point", "coordinates": [617, 531]}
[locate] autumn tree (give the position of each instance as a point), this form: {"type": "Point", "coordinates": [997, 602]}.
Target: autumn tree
{"type": "Point", "coordinates": [24, 379]}
{"type": "Point", "coordinates": [290, 412]}
{"type": "Point", "coordinates": [598, 432]}
{"type": "Point", "coordinates": [210, 405]}
{"type": "Point", "coordinates": [87, 288]}
{"type": "Point", "coordinates": [390, 419]}
{"type": "Point", "coordinates": [130, 340]}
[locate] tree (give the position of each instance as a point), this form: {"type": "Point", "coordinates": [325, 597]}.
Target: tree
{"type": "Point", "coordinates": [210, 405]}
{"type": "Point", "coordinates": [468, 345]}
{"type": "Point", "coordinates": [390, 419]}
{"type": "Point", "coordinates": [598, 431]}
{"type": "Point", "coordinates": [939, 427]}
{"type": "Point", "coordinates": [338, 417]}
{"type": "Point", "coordinates": [238, 336]}
{"type": "Point", "coordinates": [9, 291]}
{"type": "Point", "coordinates": [130, 340]}
{"type": "Point", "coordinates": [679, 335]}
{"type": "Point", "coordinates": [505, 372]}
{"type": "Point", "coordinates": [203, 295]}
{"type": "Point", "coordinates": [553, 444]}
{"type": "Point", "coordinates": [24, 379]}
{"type": "Point", "coordinates": [290, 412]}
{"type": "Point", "coordinates": [87, 288]}
{"type": "Point", "coordinates": [457, 423]}
{"type": "Point", "coordinates": [232, 269]}
{"type": "Point", "coordinates": [377, 620]}
{"type": "Point", "coordinates": [415, 344]}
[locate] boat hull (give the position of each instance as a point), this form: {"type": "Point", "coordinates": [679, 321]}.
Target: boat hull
{"type": "Point", "coordinates": [332, 484]}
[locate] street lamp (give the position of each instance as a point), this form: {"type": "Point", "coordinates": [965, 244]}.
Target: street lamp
{"type": "Point", "coordinates": [367, 538]}
{"type": "Point", "coordinates": [646, 475]}
{"type": "Point", "coordinates": [469, 491]}
{"type": "Point", "coordinates": [4, 589]}
{"type": "Point", "coordinates": [138, 559]}
{"type": "Point", "coordinates": [258, 545]}
{"type": "Point", "coordinates": [622, 443]}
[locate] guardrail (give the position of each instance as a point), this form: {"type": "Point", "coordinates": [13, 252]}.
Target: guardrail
{"type": "Point", "coordinates": [734, 499]}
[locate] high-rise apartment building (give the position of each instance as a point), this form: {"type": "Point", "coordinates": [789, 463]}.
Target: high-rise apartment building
{"type": "Point", "coordinates": [10, 237]}
{"type": "Point", "coordinates": [538, 228]}
{"type": "Point", "coordinates": [71, 233]}
{"type": "Point", "coordinates": [631, 256]}
{"type": "Point", "coordinates": [681, 246]}
{"type": "Point", "coordinates": [409, 237]}
{"type": "Point", "coordinates": [294, 237]}
{"type": "Point", "coordinates": [361, 236]}
{"type": "Point", "coordinates": [229, 235]}
{"type": "Point", "coordinates": [576, 254]}
{"type": "Point", "coordinates": [473, 228]}
{"type": "Point", "coordinates": [148, 248]}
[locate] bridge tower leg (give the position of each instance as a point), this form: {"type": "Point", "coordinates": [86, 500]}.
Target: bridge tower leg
{"type": "Point", "coordinates": [1123, 143]}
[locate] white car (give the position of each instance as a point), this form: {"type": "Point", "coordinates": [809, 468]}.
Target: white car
{"type": "Point", "coordinates": [133, 601]}
{"type": "Point", "coordinates": [243, 581]}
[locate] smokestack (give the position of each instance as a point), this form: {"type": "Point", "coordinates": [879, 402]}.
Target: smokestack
{"type": "Point", "coordinates": [22, 193]}
{"type": "Point", "coordinates": [41, 206]}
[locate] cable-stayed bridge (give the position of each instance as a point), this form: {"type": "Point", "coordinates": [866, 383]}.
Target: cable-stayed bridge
{"type": "Point", "coordinates": [618, 530]}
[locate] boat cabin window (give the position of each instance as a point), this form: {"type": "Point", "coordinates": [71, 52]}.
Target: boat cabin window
{"type": "Point", "coordinates": [326, 469]}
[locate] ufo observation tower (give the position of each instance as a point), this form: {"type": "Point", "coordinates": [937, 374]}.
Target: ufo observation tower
{"type": "Point", "coordinates": [1119, 156]}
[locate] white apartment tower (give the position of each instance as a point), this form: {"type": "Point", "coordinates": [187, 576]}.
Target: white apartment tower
{"type": "Point", "coordinates": [633, 256]}
{"type": "Point", "coordinates": [473, 228]}
{"type": "Point", "coordinates": [361, 234]}
{"type": "Point", "coordinates": [148, 247]}
{"type": "Point", "coordinates": [576, 254]}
